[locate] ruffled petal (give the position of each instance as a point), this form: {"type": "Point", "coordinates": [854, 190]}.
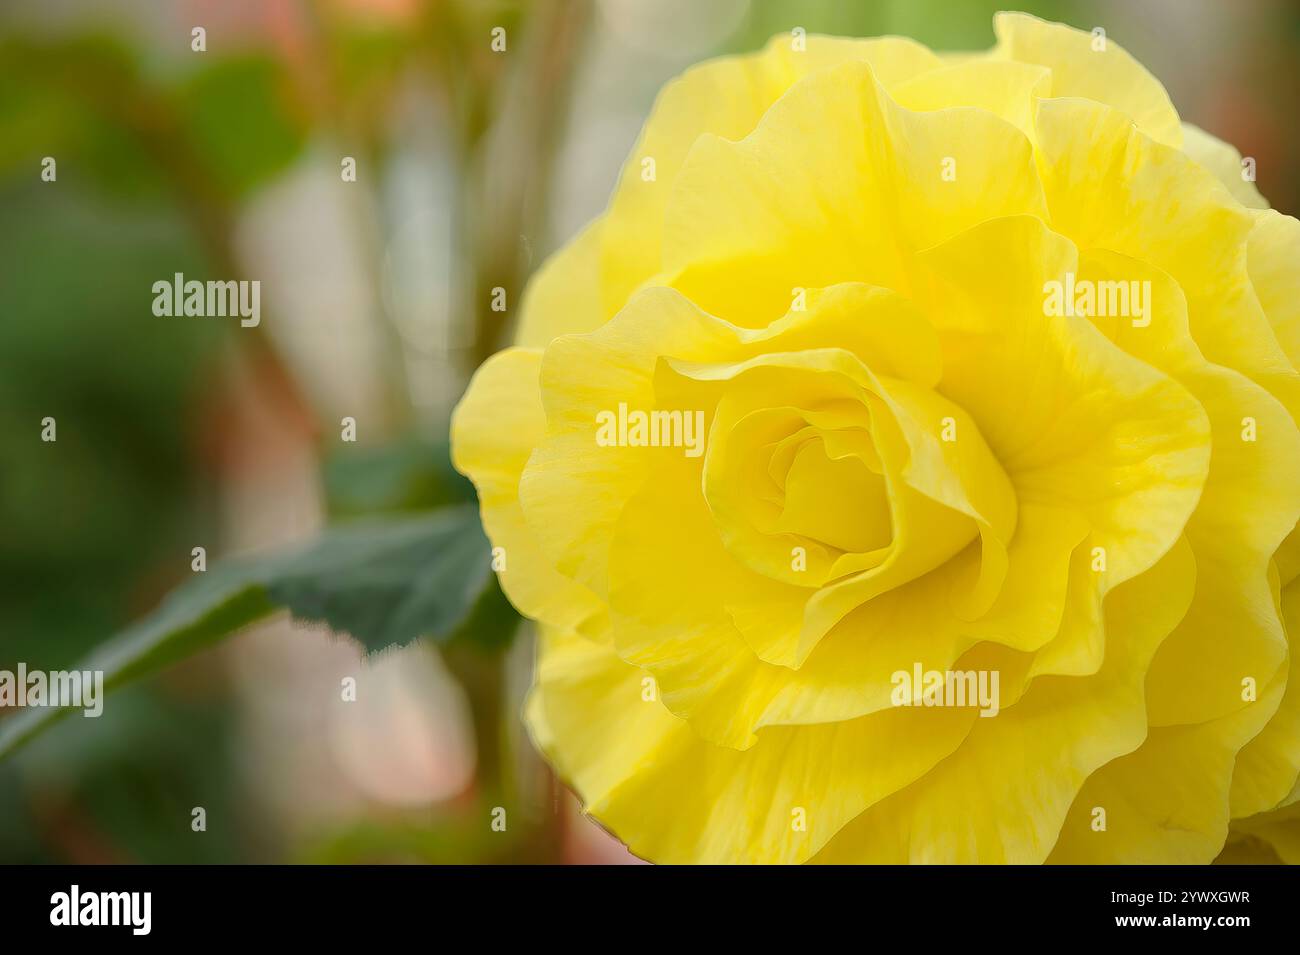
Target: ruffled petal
{"type": "Point", "coordinates": [1224, 162]}
{"type": "Point", "coordinates": [626, 756]}
{"type": "Point", "coordinates": [1003, 795]}
{"type": "Point", "coordinates": [836, 183]}
{"type": "Point", "coordinates": [1091, 67]}
{"type": "Point", "coordinates": [494, 429]}
{"type": "Point", "coordinates": [564, 296]}
{"type": "Point", "coordinates": [1110, 187]}
{"type": "Point", "coordinates": [724, 98]}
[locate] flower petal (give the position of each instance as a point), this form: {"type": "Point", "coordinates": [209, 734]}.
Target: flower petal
{"type": "Point", "coordinates": [494, 429]}
{"type": "Point", "coordinates": [627, 756]}
{"type": "Point", "coordinates": [1002, 796]}
{"type": "Point", "coordinates": [1096, 68]}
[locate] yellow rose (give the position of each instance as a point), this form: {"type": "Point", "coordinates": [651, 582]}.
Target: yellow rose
{"type": "Point", "coordinates": [900, 469]}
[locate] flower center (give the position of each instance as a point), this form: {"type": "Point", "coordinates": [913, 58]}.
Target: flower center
{"type": "Point", "coordinates": [837, 497]}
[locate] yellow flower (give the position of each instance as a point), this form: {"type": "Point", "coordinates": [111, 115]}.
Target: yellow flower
{"type": "Point", "coordinates": [899, 470]}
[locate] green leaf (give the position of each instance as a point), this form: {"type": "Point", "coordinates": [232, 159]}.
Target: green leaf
{"type": "Point", "coordinates": [231, 103]}
{"type": "Point", "coordinates": [387, 583]}
{"type": "Point", "coordinates": [408, 475]}
{"type": "Point", "coordinates": [383, 582]}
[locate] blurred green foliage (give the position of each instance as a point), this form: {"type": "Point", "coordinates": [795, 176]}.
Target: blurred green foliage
{"type": "Point", "coordinates": [121, 788]}
{"type": "Point", "coordinates": [412, 474]}
{"type": "Point", "coordinates": [940, 24]}
{"type": "Point", "coordinates": [236, 116]}
{"type": "Point", "coordinates": [384, 582]}
{"type": "Point", "coordinates": [100, 523]}
{"type": "Point", "coordinates": [78, 274]}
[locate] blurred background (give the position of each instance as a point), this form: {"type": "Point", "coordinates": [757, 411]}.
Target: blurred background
{"type": "Point", "coordinates": [471, 166]}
